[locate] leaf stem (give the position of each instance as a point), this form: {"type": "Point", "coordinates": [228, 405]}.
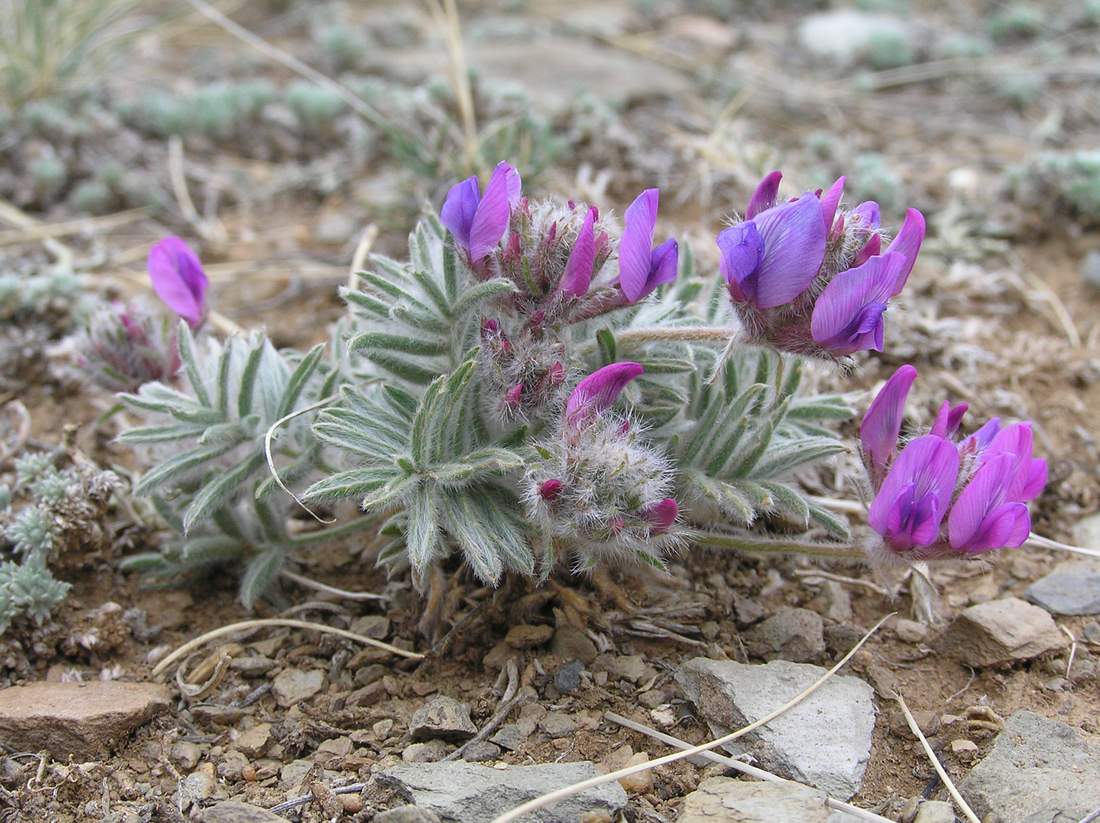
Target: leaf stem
{"type": "Point", "coordinates": [764, 545]}
{"type": "Point", "coordinates": [717, 336]}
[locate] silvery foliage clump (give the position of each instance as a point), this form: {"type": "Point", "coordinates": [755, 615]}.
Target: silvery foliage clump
{"type": "Point", "coordinates": [509, 394]}
{"type": "Point", "coordinates": [46, 513]}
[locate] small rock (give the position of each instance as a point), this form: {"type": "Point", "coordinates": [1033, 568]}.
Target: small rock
{"type": "Point", "coordinates": [442, 718]}
{"type": "Point", "coordinates": [376, 626]}
{"type": "Point", "coordinates": [639, 783]}
{"type": "Point", "coordinates": [405, 814]}
{"type": "Point", "coordinates": [567, 678]}
{"type": "Point", "coordinates": [571, 643]}
{"type": "Point", "coordinates": [458, 791]}
{"type": "Point", "coordinates": [295, 685]}
{"type": "Point", "coordinates": [824, 741]}
{"type": "Point", "coordinates": [217, 715]}
{"type": "Point", "coordinates": [629, 667]}
{"type": "Point", "coordinates": [843, 36]}
{"type": "Point", "coordinates": [747, 611]}
{"type": "Point", "coordinates": [558, 724]}
{"type": "Point", "coordinates": [293, 773]}
{"type": "Point", "coordinates": [254, 741]}
{"type": "Point", "coordinates": [510, 736]}
{"type": "Point", "coordinates": [524, 636]}
{"type": "Point", "coordinates": [382, 728]}
{"type": "Point", "coordinates": [351, 803]}
{"type": "Point", "coordinates": [791, 634]}
{"type": "Point", "coordinates": [255, 665]}
{"type": "Point", "coordinates": [428, 752]}
{"type": "Point", "coordinates": [1072, 588]}
{"type": "Point", "coordinates": [910, 631]}
{"type": "Point", "coordinates": [84, 720]}
{"type": "Point", "coordinates": [1091, 632]}
{"type": "Point", "coordinates": [740, 801]}
{"type": "Point", "coordinates": [185, 755]}
{"type": "Point", "coordinates": [935, 811]}
{"type": "Point", "coordinates": [498, 656]}
{"type": "Point", "coordinates": [481, 751]}
{"type": "Point", "coordinates": [965, 750]}
{"type": "Point", "coordinates": [199, 785]}
{"type": "Point", "coordinates": [338, 746]}
{"type": "Point", "coordinates": [230, 811]}
{"type": "Point", "coordinates": [1038, 770]}
{"type": "Point", "coordinates": [1000, 632]}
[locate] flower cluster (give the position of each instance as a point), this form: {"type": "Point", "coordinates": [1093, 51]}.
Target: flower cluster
{"type": "Point", "coordinates": [554, 254]}
{"type": "Point", "coordinates": [601, 487]}
{"type": "Point", "coordinates": [942, 495]}
{"type": "Point", "coordinates": [125, 346]}
{"type": "Point", "coordinates": [810, 277]}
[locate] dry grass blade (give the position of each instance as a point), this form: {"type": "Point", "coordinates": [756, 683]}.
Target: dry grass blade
{"type": "Point", "coordinates": [316, 585]}
{"type": "Point", "coordinates": [737, 765]}
{"type": "Point", "coordinates": [189, 646]}
{"type": "Point", "coordinates": [577, 788]}
{"type": "Point", "coordinates": [1041, 542]}
{"type": "Point", "coordinates": [958, 798]}
{"type": "Point", "coordinates": [271, 458]}
{"type": "Point", "coordinates": [44, 231]}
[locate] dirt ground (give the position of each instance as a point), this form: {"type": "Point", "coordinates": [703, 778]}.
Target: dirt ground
{"type": "Point", "coordinates": [996, 314]}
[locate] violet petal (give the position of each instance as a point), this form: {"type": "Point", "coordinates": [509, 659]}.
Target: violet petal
{"type": "Point", "coordinates": [907, 242]}
{"type": "Point", "coordinates": [635, 246]}
{"type": "Point", "coordinates": [848, 314]}
{"type": "Point", "coordinates": [178, 278]}
{"type": "Point", "coordinates": [458, 211]}
{"type": "Point", "coordinates": [882, 423]}
{"type": "Point", "coordinates": [764, 197]}
{"type": "Point", "coordinates": [794, 246]}
{"type": "Point", "coordinates": [829, 202]}
{"type": "Point", "coordinates": [578, 269]}
{"type": "Point", "coordinates": [914, 497]}
{"type": "Point", "coordinates": [599, 390]}
{"type": "Point", "coordinates": [491, 218]}
{"type": "Point", "coordinates": [741, 249]}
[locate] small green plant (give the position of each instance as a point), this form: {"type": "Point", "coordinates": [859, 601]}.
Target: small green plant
{"type": "Point", "coordinates": [1018, 22]}
{"type": "Point", "coordinates": [890, 50]}
{"type": "Point", "coordinates": [48, 47]}
{"type": "Point", "coordinates": [35, 310]}
{"type": "Point", "coordinates": [1060, 185]}
{"type": "Point", "coordinates": [47, 515]}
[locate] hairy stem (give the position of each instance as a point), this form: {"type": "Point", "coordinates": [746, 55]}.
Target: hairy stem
{"type": "Point", "coordinates": [764, 545]}
{"type": "Point", "coordinates": [716, 336]}
{"type": "Point", "coordinates": [344, 529]}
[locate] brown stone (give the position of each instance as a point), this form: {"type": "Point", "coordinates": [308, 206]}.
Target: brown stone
{"type": "Point", "coordinates": [1001, 632]}
{"type": "Point", "coordinates": [84, 720]}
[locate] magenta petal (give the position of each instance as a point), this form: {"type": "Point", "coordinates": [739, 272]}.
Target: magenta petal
{"type": "Point", "coordinates": [907, 242]}
{"type": "Point", "coordinates": [514, 185]}
{"type": "Point", "coordinates": [948, 419]}
{"type": "Point", "coordinates": [764, 197]}
{"type": "Point", "coordinates": [459, 209]}
{"type": "Point", "coordinates": [916, 493]}
{"type": "Point", "coordinates": [1034, 479]}
{"type": "Point", "coordinates": [599, 390]}
{"type": "Point", "coordinates": [794, 246]}
{"type": "Point", "coordinates": [178, 278]}
{"type": "Point", "coordinates": [981, 439]}
{"type": "Point", "coordinates": [662, 514]}
{"type": "Point", "coordinates": [872, 247]}
{"type": "Point", "coordinates": [491, 218]}
{"type": "Point", "coordinates": [741, 249]}
{"type": "Point", "coordinates": [664, 264]}
{"type": "Point", "coordinates": [882, 423]}
{"type": "Point", "coordinates": [982, 518]}
{"type": "Point", "coordinates": [848, 314]}
{"type": "Point", "coordinates": [867, 215]}
{"type": "Point", "coordinates": [829, 202]}
{"type": "Point", "coordinates": [635, 246]}
{"type": "Point", "coordinates": [578, 269]}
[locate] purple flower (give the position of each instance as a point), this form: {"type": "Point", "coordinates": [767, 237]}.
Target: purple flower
{"type": "Point", "coordinates": [907, 242]}
{"type": "Point", "coordinates": [764, 197]}
{"type": "Point", "coordinates": [772, 258]}
{"type": "Point", "coordinates": [643, 268]}
{"type": "Point", "coordinates": [848, 314]}
{"type": "Point", "coordinates": [985, 516]}
{"type": "Point", "coordinates": [916, 494]}
{"type": "Point", "coordinates": [829, 202]}
{"type": "Point", "coordinates": [1027, 474]}
{"type": "Point", "coordinates": [599, 391]}
{"type": "Point", "coordinates": [882, 423]}
{"type": "Point", "coordinates": [948, 419]}
{"type": "Point", "coordinates": [178, 279]}
{"type": "Point", "coordinates": [578, 269]}
{"type": "Point", "coordinates": [661, 514]}
{"type": "Point", "coordinates": [477, 221]}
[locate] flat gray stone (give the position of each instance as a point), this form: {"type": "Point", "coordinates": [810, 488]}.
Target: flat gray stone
{"type": "Point", "coordinates": [824, 741]}
{"type": "Point", "coordinates": [468, 793]}
{"type": "Point", "coordinates": [295, 685]}
{"type": "Point", "coordinates": [230, 811]}
{"type": "Point", "coordinates": [406, 814]}
{"type": "Point", "coordinates": [935, 811]}
{"type": "Point", "coordinates": [797, 635]}
{"type": "Point", "coordinates": [85, 720]}
{"type": "Point", "coordinates": [442, 718]}
{"type": "Point", "coordinates": [1072, 588]}
{"type": "Point", "coordinates": [742, 801]}
{"type": "Point", "coordinates": [1002, 632]}
{"type": "Point", "coordinates": [1039, 771]}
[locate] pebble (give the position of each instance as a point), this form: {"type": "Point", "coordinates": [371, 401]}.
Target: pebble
{"type": "Point", "coordinates": [185, 755]}
{"type": "Point", "coordinates": [910, 631]}
{"type": "Point", "coordinates": [442, 718]}
{"type": "Point", "coordinates": [965, 750]}
{"type": "Point", "coordinates": [510, 736]}
{"type": "Point", "coordinates": [629, 667]}
{"type": "Point", "coordinates": [252, 666]}
{"type": "Point", "coordinates": [1038, 769]}
{"type": "Point", "coordinates": [567, 678]}
{"type": "Point", "coordinates": [467, 791]}
{"type": "Point", "coordinates": [558, 724]}
{"type": "Point", "coordinates": [790, 634]}
{"type": "Point", "coordinates": [428, 752]}
{"type": "Point", "coordinates": [935, 811]}
{"type": "Point", "coordinates": [382, 728]}
{"type": "Point", "coordinates": [253, 742]}
{"type": "Point", "coordinates": [481, 751]}
{"type": "Point", "coordinates": [1072, 588]}
{"type": "Point", "coordinates": [525, 636]}
{"type": "Point", "coordinates": [295, 685]}
{"type": "Point", "coordinates": [1001, 632]}
{"type": "Point", "coordinates": [83, 720]}
{"type": "Point", "coordinates": [729, 800]}
{"type": "Point", "coordinates": [231, 811]}
{"type": "Point", "coordinates": [824, 741]}
{"type": "Point", "coordinates": [199, 785]}
{"type": "Point", "coordinates": [376, 626]}
{"type": "Point", "coordinates": [405, 814]}
{"type": "Point", "coordinates": [843, 36]}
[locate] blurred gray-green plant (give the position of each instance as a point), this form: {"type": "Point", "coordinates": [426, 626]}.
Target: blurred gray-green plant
{"type": "Point", "coordinates": [36, 310]}
{"type": "Point", "coordinates": [1057, 186]}
{"type": "Point", "coordinates": [1020, 21]}
{"type": "Point", "coordinates": [48, 516]}
{"type": "Point", "coordinates": [49, 47]}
